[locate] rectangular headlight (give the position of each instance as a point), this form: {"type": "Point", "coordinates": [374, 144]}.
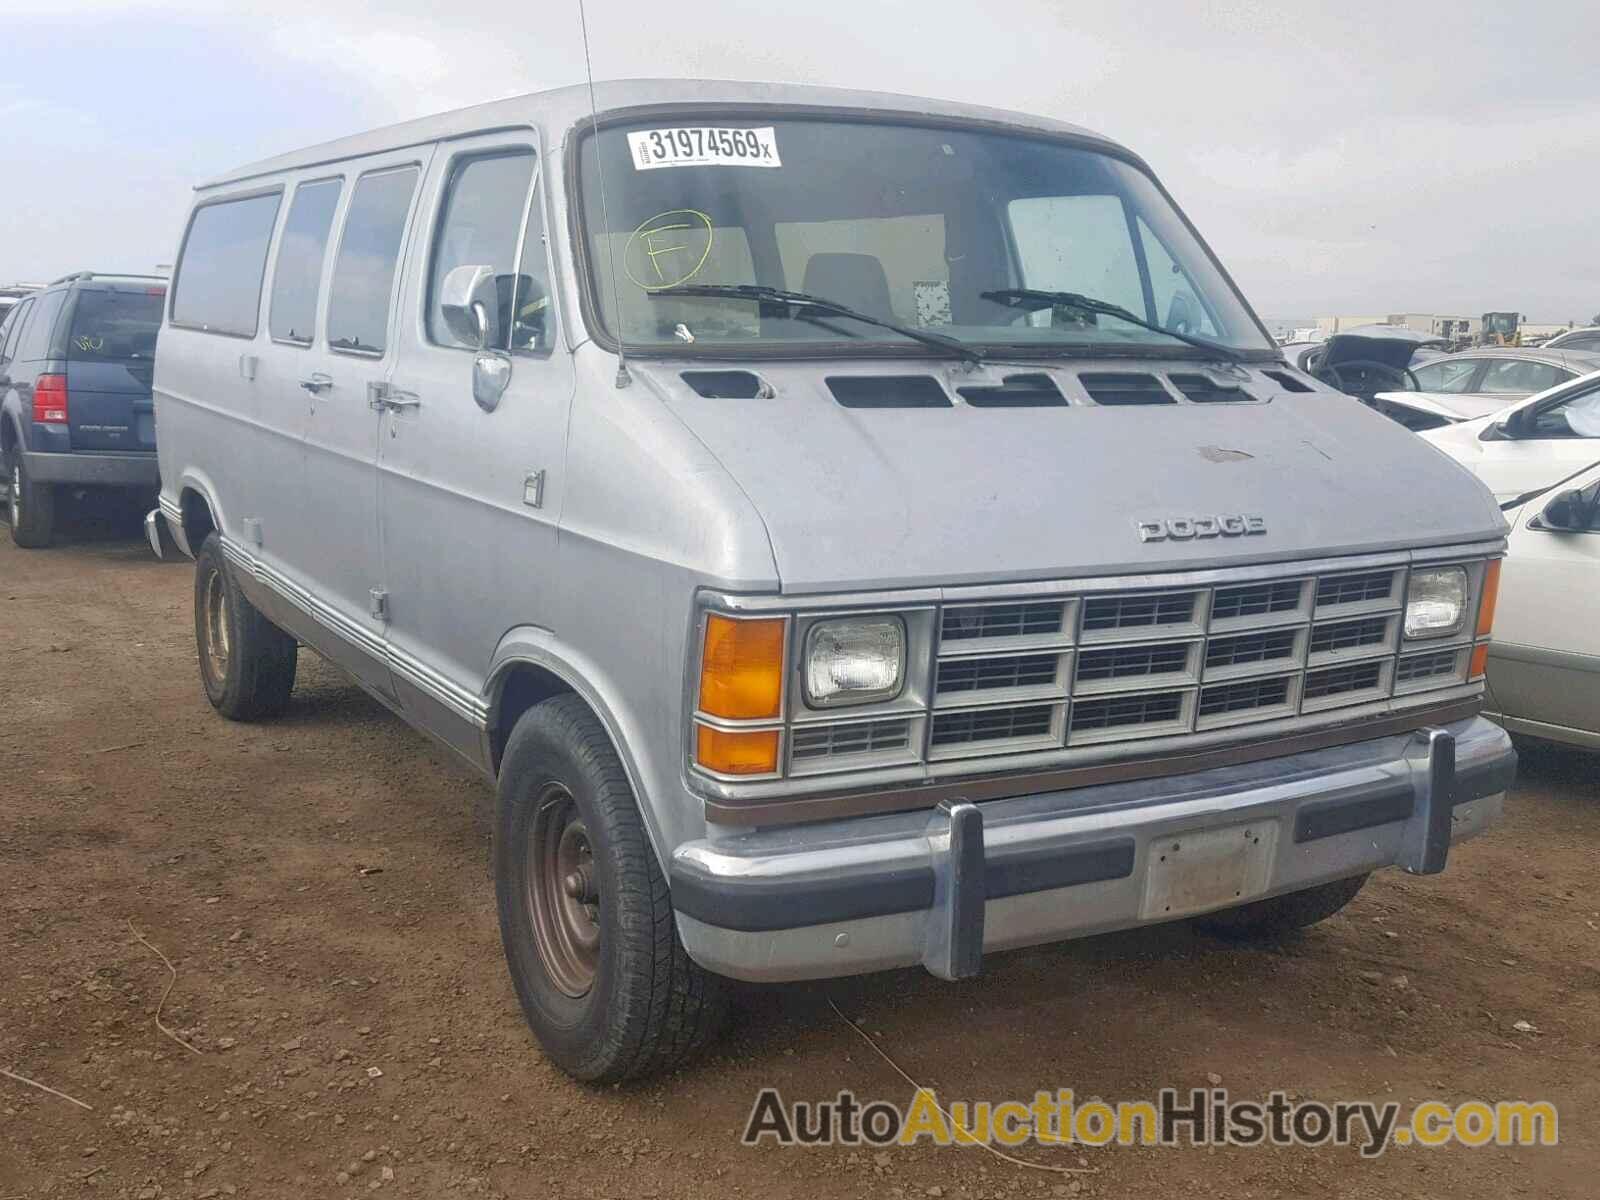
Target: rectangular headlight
{"type": "Point", "coordinates": [1436, 599]}
{"type": "Point", "coordinates": [854, 661]}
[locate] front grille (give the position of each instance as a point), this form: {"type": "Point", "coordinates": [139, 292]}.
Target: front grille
{"type": "Point", "coordinates": [990, 724]}
{"type": "Point", "coordinates": [1241, 649]}
{"type": "Point", "coordinates": [1349, 635]}
{"type": "Point", "coordinates": [1255, 600]}
{"type": "Point", "coordinates": [1041, 619]}
{"type": "Point", "coordinates": [857, 737]}
{"type": "Point", "coordinates": [1223, 698]}
{"type": "Point", "coordinates": [1425, 666]}
{"type": "Point", "coordinates": [1147, 667]}
{"type": "Point", "coordinates": [1354, 589]}
{"type": "Point", "coordinates": [1130, 662]}
{"type": "Point", "coordinates": [1115, 712]}
{"type": "Point", "coordinates": [990, 674]}
{"type": "Point", "coordinates": [1336, 681]}
{"type": "Point", "coordinates": [1105, 613]}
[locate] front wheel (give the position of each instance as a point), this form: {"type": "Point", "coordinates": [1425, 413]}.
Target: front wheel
{"type": "Point", "coordinates": [247, 663]}
{"type": "Point", "coordinates": [585, 918]}
{"type": "Point", "coordinates": [31, 506]}
{"type": "Point", "coordinates": [1281, 915]}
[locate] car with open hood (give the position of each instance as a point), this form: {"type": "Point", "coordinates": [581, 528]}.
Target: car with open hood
{"type": "Point", "coordinates": [850, 531]}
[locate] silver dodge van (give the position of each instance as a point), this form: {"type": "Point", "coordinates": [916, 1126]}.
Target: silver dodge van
{"type": "Point", "coordinates": [852, 531]}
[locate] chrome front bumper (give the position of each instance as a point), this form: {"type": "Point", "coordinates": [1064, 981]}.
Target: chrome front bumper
{"type": "Point", "coordinates": [943, 888]}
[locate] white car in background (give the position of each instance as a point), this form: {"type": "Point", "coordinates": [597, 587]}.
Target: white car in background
{"type": "Point", "coordinates": [1531, 445]}
{"type": "Point", "coordinates": [1477, 383]}
{"type": "Point", "coordinates": [1544, 662]}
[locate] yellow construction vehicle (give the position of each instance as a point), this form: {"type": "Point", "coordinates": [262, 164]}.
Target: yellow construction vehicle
{"type": "Point", "coordinates": [1500, 329]}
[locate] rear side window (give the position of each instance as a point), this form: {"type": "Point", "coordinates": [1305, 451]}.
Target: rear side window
{"type": "Point", "coordinates": [363, 277]}
{"type": "Point", "coordinates": [1454, 376]}
{"type": "Point", "coordinates": [480, 225]}
{"type": "Point", "coordinates": [35, 341]}
{"type": "Point", "coordinates": [1520, 375]}
{"type": "Point", "coordinates": [304, 244]}
{"type": "Point", "coordinates": [218, 284]}
{"type": "Point", "coordinates": [115, 326]}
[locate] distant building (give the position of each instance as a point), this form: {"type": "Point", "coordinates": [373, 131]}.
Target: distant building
{"type": "Point", "coordinates": [1433, 324]}
{"type": "Point", "coordinates": [1332, 325]}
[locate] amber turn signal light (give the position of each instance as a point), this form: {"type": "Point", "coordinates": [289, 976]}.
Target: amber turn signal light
{"type": "Point", "coordinates": [1480, 661]}
{"type": "Point", "coordinates": [736, 751]}
{"type": "Point", "coordinates": [741, 668]}
{"type": "Point", "coordinates": [1491, 596]}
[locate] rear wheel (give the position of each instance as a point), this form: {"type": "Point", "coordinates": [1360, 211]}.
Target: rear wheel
{"type": "Point", "coordinates": [1283, 914]}
{"type": "Point", "coordinates": [587, 925]}
{"type": "Point", "coordinates": [247, 663]}
{"type": "Point", "coordinates": [31, 507]}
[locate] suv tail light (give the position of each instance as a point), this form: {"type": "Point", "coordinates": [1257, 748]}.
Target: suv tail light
{"type": "Point", "coordinates": [50, 399]}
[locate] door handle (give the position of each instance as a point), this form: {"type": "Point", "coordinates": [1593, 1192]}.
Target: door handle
{"type": "Point", "coordinates": [382, 396]}
{"type": "Point", "coordinates": [317, 383]}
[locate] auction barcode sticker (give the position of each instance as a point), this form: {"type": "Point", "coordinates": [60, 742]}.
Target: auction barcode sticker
{"type": "Point", "coordinates": [703, 146]}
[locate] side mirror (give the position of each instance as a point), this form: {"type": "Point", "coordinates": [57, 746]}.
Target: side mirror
{"type": "Point", "coordinates": [491, 373]}
{"type": "Point", "coordinates": [1569, 512]}
{"type": "Point", "coordinates": [469, 304]}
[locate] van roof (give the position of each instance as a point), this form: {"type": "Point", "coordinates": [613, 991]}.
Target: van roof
{"type": "Point", "coordinates": [562, 108]}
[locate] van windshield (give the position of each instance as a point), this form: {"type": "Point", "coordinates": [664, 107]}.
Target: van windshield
{"type": "Point", "coordinates": [906, 223]}
{"type": "Point", "coordinates": [115, 326]}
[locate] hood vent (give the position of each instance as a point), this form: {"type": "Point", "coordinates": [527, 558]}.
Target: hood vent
{"type": "Point", "coordinates": [1016, 391]}
{"type": "Point", "coordinates": [1120, 388]}
{"type": "Point", "coordinates": [889, 391]}
{"type": "Point", "coordinates": [729, 385]}
{"type": "Point", "coordinates": [1201, 389]}
{"type": "Point", "coordinates": [1287, 381]}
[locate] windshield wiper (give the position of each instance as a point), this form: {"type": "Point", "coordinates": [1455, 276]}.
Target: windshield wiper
{"type": "Point", "coordinates": [821, 304]}
{"type": "Point", "coordinates": [1033, 300]}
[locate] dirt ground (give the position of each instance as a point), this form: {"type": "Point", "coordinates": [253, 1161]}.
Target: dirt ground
{"type": "Point", "coordinates": [321, 886]}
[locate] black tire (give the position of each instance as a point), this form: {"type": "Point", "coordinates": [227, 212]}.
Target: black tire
{"type": "Point", "coordinates": [615, 996]}
{"type": "Point", "coordinates": [1281, 915]}
{"type": "Point", "coordinates": [31, 508]}
{"type": "Point", "coordinates": [246, 662]}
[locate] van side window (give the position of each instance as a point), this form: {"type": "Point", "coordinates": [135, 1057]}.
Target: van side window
{"type": "Point", "coordinates": [35, 340]}
{"type": "Point", "coordinates": [217, 286]}
{"type": "Point", "coordinates": [293, 312]}
{"type": "Point", "coordinates": [369, 249]}
{"type": "Point", "coordinates": [479, 224]}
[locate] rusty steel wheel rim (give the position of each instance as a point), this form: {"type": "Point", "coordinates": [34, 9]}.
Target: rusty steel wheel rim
{"type": "Point", "coordinates": [214, 624]}
{"type": "Point", "coordinates": [562, 893]}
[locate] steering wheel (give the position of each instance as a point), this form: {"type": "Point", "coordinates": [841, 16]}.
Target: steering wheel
{"type": "Point", "coordinates": [1332, 374]}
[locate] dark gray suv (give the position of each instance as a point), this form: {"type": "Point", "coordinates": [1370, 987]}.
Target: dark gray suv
{"type": "Point", "coordinates": [75, 367]}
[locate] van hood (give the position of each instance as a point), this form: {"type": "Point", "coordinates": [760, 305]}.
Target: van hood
{"type": "Point", "coordinates": [867, 498]}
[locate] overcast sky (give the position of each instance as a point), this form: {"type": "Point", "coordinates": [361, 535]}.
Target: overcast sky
{"type": "Point", "coordinates": [1356, 157]}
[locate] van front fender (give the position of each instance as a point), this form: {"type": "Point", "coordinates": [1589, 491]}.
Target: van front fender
{"type": "Point", "coordinates": [531, 645]}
